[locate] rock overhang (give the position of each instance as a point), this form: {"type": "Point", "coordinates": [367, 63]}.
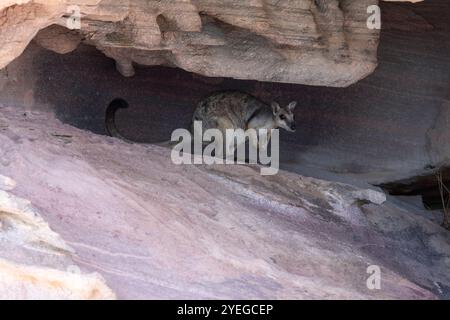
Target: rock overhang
{"type": "Point", "coordinates": [309, 42]}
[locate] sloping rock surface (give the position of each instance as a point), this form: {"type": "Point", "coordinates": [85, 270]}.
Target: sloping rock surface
{"type": "Point", "coordinates": [152, 229]}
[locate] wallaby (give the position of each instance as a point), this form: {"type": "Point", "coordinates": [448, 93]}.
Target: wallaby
{"type": "Point", "coordinates": [238, 110]}
{"type": "Point", "coordinates": [226, 110]}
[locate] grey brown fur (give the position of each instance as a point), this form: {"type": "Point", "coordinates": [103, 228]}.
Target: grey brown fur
{"type": "Point", "coordinates": [238, 110]}
{"type": "Point", "coordinates": [227, 110]}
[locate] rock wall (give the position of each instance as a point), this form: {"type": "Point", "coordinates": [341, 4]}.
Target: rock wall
{"type": "Point", "coordinates": [148, 228]}
{"type": "Point", "coordinates": [323, 42]}
{"type": "Point", "coordinates": [35, 262]}
{"type": "Point", "coordinates": [133, 225]}
{"type": "Point", "coordinates": [388, 126]}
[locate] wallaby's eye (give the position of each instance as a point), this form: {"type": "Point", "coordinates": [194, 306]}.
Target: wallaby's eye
{"type": "Point", "coordinates": [283, 117]}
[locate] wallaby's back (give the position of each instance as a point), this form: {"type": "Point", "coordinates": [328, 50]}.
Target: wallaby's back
{"type": "Point", "coordinates": [228, 109]}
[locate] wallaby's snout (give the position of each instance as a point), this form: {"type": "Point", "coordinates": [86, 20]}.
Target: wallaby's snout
{"type": "Point", "coordinates": [293, 127]}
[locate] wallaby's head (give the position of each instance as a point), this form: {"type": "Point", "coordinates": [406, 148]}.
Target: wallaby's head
{"type": "Point", "coordinates": [284, 117]}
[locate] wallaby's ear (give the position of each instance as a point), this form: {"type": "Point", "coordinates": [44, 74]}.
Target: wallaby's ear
{"type": "Point", "coordinates": [292, 105]}
{"type": "Point", "coordinates": [275, 107]}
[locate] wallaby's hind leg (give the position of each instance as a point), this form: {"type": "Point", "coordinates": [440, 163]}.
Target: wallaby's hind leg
{"type": "Point", "coordinates": [228, 146]}
{"type": "Point", "coordinates": [230, 149]}
{"type": "Point", "coordinates": [254, 141]}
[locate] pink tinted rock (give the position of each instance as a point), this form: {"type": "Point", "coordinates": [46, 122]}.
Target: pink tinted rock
{"type": "Point", "coordinates": [155, 230]}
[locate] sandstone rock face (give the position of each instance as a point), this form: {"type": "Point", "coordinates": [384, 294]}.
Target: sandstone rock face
{"type": "Point", "coordinates": [35, 262]}
{"type": "Point", "coordinates": [387, 127]}
{"type": "Point", "coordinates": [85, 216]}
{"type": "Point", "coordinates": [321, 42]}
{"type": "Point", "coordinates": [153, 229]}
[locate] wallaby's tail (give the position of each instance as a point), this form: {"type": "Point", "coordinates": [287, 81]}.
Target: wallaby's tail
{"type": "Point", "coordinates": [170, 143]}
{"type": "Point", "coordinates": [110, 123]}
{"type": "Point", "coordinates": [167, 143]}
{"type": "Point", "coordinates": [110, 118]}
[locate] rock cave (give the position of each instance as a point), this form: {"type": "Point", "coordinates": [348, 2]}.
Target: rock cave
{"type": "Point", "coordinates": [364, 181]}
